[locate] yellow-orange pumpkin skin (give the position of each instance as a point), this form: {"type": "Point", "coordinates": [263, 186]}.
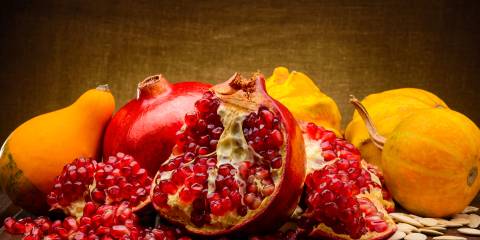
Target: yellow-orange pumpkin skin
{"type": "Point", "coordinates": [304, 99]}
{"type": "Point", "coordinates": [387, 109]}
{"type": "Point", "coordinates": [431, 162]}
{"type": "Point", "coordinates": [36, 151]}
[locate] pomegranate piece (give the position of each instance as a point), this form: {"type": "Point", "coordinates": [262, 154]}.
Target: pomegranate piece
{"type": "Point", "coordinates": [344, 197]}
{"type": "Point", "coordinates": [232, 155]}
{"type": "Point", "coordinates": [102, 222]}
{"type": "Point", "coordinates": [119, 178]}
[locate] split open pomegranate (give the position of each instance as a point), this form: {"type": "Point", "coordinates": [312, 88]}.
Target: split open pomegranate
{"type": "Point", "coordinates": [119, 178]}
{"type": "Point", "coordinates": [344, 197]}
{"type": "Point", "coordinates": [238, 164]}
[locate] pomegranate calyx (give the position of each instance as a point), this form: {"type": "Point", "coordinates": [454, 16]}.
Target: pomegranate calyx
{"type": "Point", "coordinates": [236, 83]}
{"type": "Point", "coordinates": [377, 139]}
{"type": "Point", "coordinates": [153, 86]}
{"type": "Point", "coordinates": [242, 93]}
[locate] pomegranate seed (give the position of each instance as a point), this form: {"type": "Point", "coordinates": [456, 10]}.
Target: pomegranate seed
{"type": "Point", "coordinates": [114, 192]}
{"type": "Point", "coordinates": [186, 195]}
{"type": "Point", "coordinates": [160, 199]}
{"type": "Point", "coordinates": [168, 187]}
{"type": "Point", "coordinates": [311, 130]}
{"type": "Point", "coordinates": [98, 196]}
{"type": "Point", "coordinates": [268, 190]}
{"type": "Point", "coordinates": [276, 138]}
{"type": "Point", "coordinates": [217, 132]}
{"type": "Point", "coordinates": [276, 163]}
{"type": "Point", "coordinates": [252, 188]}
{"type": "Point", "coordinates": [329, 155]}
{"type": "Point", "coordinates": [203, 105]}
{"type": "Point", "coordinates": [204, 140]}
{"type": "Point", "coordinates": [202, 150]}
{"type": "Point", "coordinates": [52, 236]}
{"type": "Point", "coordinates": [18, 227]}
{"type": "Point", "coordinates": [190, 119]}
{"type": "Point", "coordinates": [119, 231]}
{"type": "Point", "coordinates": [70, 223]}
{"type": "Point", "coordinates": [267, 117]}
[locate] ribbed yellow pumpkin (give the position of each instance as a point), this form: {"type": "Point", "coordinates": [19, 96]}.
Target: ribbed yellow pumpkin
{"type": "Point", "coordinates": [386, 110]}
{"type": "Point", "coordinates": [304, 99]}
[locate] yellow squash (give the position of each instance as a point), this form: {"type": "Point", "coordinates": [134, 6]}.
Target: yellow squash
{"type": "Point", "coordinates": [386, 110]}
{"type": "Point", "coordinates": [430, 160]}
{"type": "Point", "coordinates": [304, 99]}
{"type": "Point", "coordinates": [37, 150]}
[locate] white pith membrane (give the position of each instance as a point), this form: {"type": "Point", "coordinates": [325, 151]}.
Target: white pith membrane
{"type": "Point", "coordinates": [371, 198]}
{"type": "Point", "coordinates": [233, 149]}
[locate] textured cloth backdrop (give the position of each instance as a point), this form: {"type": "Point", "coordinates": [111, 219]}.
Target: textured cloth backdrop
{"type": "Point", "coordinates": [52, 51]}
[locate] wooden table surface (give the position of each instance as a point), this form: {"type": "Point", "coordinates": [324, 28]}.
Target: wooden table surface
{"type": "Point", "coordinates": [52, 51]}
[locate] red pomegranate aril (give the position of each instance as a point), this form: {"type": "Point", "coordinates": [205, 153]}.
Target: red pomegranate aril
{"type": "Point", "coordinates": [186, 195]}
{"type": "Point", "coordinates": [168, 187]}
{"type": "Point", "coordinates": [160, 198]}
{"type": "Point", "coordinates": [276, 138]}
{"type": "Point", "coordinates": [202, 151]}
{"type": "Point", "coordinates": [118, 231]}
{"type": "Point", "coordinates": [98, 196]}
{"type": "Point", "coordinates": [268, 190]}
{"type": "Point", "coordinates": [190, 119]}
{"type": "Point", "coordinates": [276, 163]}
{"type": "Point", "coordinates": [8, 223]}
{"type": "Point", "coordinates": [70, 223]}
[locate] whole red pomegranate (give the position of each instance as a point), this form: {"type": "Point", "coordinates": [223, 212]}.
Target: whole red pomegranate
{"type": "Point", "coordinates": [145, 126]}
{"type": "Point", "coordinates": [344, 198]}
{"type": "Point", "coordinates": [238, 164]}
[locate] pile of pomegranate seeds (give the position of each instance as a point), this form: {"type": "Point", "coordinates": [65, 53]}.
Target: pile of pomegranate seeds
{"type": "Point", "coordinates": [218, 187]}
{"type": "Point", "coordinates": [104, 222]}
{"type": "Point", "coordinates": [334, 189]}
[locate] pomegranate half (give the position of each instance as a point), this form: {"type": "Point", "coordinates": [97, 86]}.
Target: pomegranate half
{"type": "Point", "coordinates": [238, 164]}
{"type": "Point", "coordinates": [142, 128]}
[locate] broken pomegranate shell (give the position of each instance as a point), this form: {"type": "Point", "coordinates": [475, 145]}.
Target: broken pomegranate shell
{"type": "Point", "coordinates": [119, 178]}
{"type": "Point", "coordinates": [238, 164]}
{"type": "Point", "coordinates": [344, 198]}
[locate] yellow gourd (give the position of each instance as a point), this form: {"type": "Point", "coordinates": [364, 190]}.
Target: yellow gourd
{"type": "Point", "coordinates": [386, 110]}
{"type": "Point", "coordinates": [37, 150]}
{"type": "Point", "coordinates": [430, 160]}
{"type": "Point", "coordinates": [304, 99]}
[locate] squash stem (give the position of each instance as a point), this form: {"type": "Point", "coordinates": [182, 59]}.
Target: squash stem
{"type": "Point", "coordinates": [377, 139]}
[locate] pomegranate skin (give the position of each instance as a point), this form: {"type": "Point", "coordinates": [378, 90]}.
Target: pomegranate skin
{"type": "Point", "coordinates": [145, 127]}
